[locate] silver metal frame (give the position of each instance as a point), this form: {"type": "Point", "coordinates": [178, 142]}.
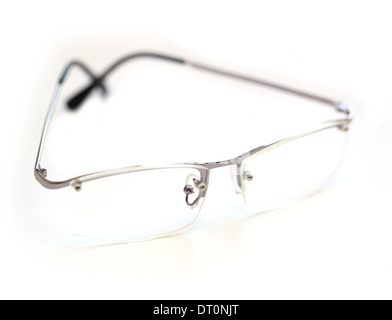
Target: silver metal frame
{"type": "Point", "coordinates": [41, 174]}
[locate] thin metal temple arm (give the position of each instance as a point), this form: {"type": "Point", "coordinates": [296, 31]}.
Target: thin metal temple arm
{"type": "Point", "coordinates": [76, 101]}
{"type": "Point", "coordinates": [39, 172]}
{"type": "Point", "coordinates": [339, 105]}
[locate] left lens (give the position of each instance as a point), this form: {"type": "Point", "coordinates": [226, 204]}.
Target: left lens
{"type": "Point", "coordinates": [136, 205]}
{"type": "Point", "coordinates": [291, 169]}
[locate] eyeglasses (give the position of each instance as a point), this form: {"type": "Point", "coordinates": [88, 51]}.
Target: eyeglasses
{"type": "Point", "coordinates": [119, 205]}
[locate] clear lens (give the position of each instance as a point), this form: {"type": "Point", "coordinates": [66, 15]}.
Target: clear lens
{"type": "Point", "coordinates": [136, 205]}
{"type": "Point", "coordinates": [285, 173]}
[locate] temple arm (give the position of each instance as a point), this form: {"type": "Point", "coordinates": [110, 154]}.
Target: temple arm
{"type": "Point", "coordinates": [39, 172]}
{"type": "Point", "coordinates": [341, 107]}
{"type": "Point", "coordinates": [76, 101]}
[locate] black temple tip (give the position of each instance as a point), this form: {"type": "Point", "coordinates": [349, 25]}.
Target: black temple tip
{"type": "Point", "coordinates": [75, 102]}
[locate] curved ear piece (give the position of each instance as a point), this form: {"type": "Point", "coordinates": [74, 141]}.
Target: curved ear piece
{"type": "Point", "coordinates": [75, 102]}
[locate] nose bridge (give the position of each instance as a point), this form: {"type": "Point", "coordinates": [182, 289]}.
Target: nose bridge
{"type": "Point", "coordinates": [236, 169]}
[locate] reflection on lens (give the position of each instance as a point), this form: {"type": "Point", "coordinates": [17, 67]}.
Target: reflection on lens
{"type": "Point", "coordinates": [282, 174]}
{"type": "Point", "coordinates": [134, 206]}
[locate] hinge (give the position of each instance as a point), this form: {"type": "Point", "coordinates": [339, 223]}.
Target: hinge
{"type": "Point", "coordinates": [43, 172]}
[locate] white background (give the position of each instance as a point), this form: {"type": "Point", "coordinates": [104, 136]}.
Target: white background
{"type": "Point", "coordinates": [336, 244]}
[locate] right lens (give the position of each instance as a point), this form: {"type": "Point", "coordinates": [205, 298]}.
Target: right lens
{"type": "Point", "coordinates": [136, 205]}
{"type": "Point", "coordinates": [286, 172]}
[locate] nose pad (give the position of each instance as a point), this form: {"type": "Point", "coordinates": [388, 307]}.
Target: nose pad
{"type": "Point", "coordinates": [236, 177]}
{"type": "Point", "coordinates": [194, 190]}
